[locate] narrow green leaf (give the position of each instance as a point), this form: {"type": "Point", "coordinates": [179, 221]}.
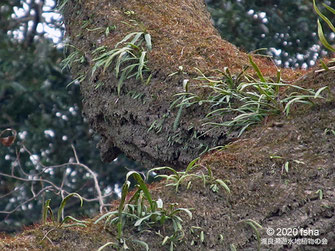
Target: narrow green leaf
{"type": "Point", "coordinates": [78, 222]}
{"type": "Point", "coordinates": [141, 65]}
{"type": "Point", "coordinates": [140, 204]}
{"type": "Point", "coordinates": [142, 243]}
{"type": "Point", "coordinates": [126, 38]}
{"type": "Point", "coordinates": [286, 166]}
{"type": "Point", "coordinates": [317, 94]}
{"type": "Point", "coordinates": [186, 210]}
{"type": "Point", "coordinates": [147, 38]}
{"type": "Point", "coordinates": [111, 220]}
{"type": "Point", "coordinates": [202, 236]}
{"type": "Point", "coordinates": [324, 66]}
{"type": "Point", "coordinates": [118, 63]}
{"type": "Point", "coordinates": [125, 75]}
{"type": "Point", "coordinates": [331, 26]}
{"type": "Point", "coordinates": [143, 186]}
{"type": "Point", "coordinates": [323, 38]}
{"type": "Point", "coordinates": [63, 203]}
{"type": "Point", "coordinates": [177, 119]}
{"type": "Point", "coordinates": [254, 225]}
{"type": "Point", "coordinates": [148, 79]}
{"type": "Point", "coordinates": [46, 209]}
{"type": "Point", "coordinates": [136, 38]}
{"type": "Point", "coordinates": [166, 238]}
{"type": "Point", "coordinates": [179, 181]}
{"type": "Point", "coordinates": [191, 164]}
{"type": "Point", "coordinates": [139, 221]}
{"type": "Point", "coordinates": [332, 10]}
{"type": "Point", "coordinates": [110, 59]}
{"type": "Point", "coordinates": [295, 100]}
{"type": "Point", "coordinates": [278, 77]}
{"type": "Point", "coordinates": [232, 247]}
{"type": "Point", "coordinates": [177, 224]}
{"type": "Point", "coordinates": [223, 184]}
{"type": "Point", "coordinates": [105, 216]}
{"type": "Point", "coordinates": [258, 72]}
{"type": "Point", "coordinates": [107, 31]}
{"type": "Point", "coordinates": [320, 192]}
{"type": "Point", "coordinates": [124, 193]}
{"type": "Point", "coordinates": [115, 245]}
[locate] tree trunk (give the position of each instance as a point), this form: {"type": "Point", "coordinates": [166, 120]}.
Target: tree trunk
{"type": "Point", "coordinates": [280, 174]}
{"type": "Point", "coordinates": [139, 121]}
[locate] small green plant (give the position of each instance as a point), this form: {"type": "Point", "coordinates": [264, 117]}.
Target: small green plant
{"type": "Point", "coordinates": [137, 96]}
{"type": "Point", "coordinates": [286, 166]}
{"type": "Point", "coordinates": [232, 247]}
{"type": "Point", "coordinates": [198, 233]}
{"type": "Point", "coordinates": [322, 36]}
{"type": "Point", "coordinates": [142, 212]}
{"type": "Point", "coordinates": [76, 56]}
{"type": "Point", "coordinates": [328, 131]}
{"type": "Point", "coordinates": [122, 245]}
{"type": "Point", "coordinates": [61, 4]}
{"type": "Point", "coordinates": [221, 238]}
{"type": "Point", "coordinates": [177, 177]}
{"type": "Point", "coordinates": [129, 57]}
{"type": "Point", "coordinates": [106, 30]}
{"type": "Point", "coordinates": [179, 72]}
{"type": "Point", "coordinates": [157, 125]}
{"type": "Point", "coordinates": [320, 192]}
{"type": "Point", "coordinates": [247, 99]}
{"type": "Point", "coordinates": [255, 226]}
{"type": "Point", "coordinates": [129, 12]}
{"type": "Point", "coordinates": [61, 220]}
{"type": "Point", "coordinates": [330, 25]}
{"type": "Point", "coordinates": [287, 163]}
{"type": "Point", "coordinates": [254, 100]}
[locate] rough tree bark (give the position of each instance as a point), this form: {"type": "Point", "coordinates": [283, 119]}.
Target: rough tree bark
{"type": "Point", "coordinates": [182, 35]}
{"type": "Point", "coordinates": [289, 192]}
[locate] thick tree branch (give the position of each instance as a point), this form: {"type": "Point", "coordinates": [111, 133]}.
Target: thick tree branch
{"type": "Point", "coordinates": [138, 118]}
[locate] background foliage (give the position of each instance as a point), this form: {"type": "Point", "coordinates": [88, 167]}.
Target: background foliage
{"type": "Point", "coordinates": [35, 99]}
{"type": "Point", "coordinates": [288, 29]}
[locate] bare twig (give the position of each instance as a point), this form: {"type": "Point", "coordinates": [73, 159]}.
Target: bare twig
{"type": "Point", "coordinates": [48, 188]}
{"type": "Point", "coordinates": [31, 179]}
{"type": "Point", "coordinates": [94, 176]}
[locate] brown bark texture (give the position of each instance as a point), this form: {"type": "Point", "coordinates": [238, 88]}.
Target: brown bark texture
{"type": "Point", "coordinates": [139, 121]}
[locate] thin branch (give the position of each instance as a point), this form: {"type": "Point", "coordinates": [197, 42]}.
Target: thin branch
{"type": "Point", "coordinates": [26, 201]}
{"type": "Point", "coordinates": [51, 186]}
{"type": "Point", "coordinates": [96, 183]}
{"type": "Point", "coordinates": [37, 7]}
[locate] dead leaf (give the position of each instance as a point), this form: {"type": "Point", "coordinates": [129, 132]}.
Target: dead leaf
{"type": "Point", "coordinates": [8, 140]}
